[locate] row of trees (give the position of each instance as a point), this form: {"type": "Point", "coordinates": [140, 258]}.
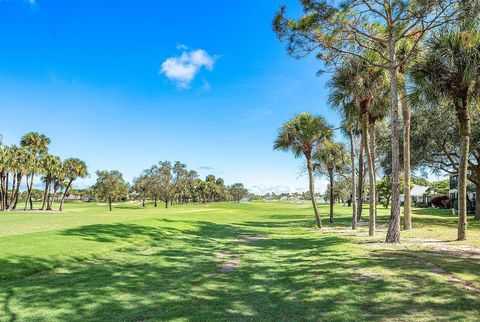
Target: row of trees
{"type": "Point", "coordinates": [386, 55]}
{"type": "Point", "coordinates": [23, 164]}
{"type": "Point", "coordinates": [166, 182]}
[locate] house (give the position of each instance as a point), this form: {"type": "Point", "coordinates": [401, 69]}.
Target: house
{"type": "Point", "coordinates": [453, 192]}
{"type": "Point", "coordinates": [421, 195]}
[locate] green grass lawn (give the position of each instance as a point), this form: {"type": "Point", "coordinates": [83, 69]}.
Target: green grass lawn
{"type": "Point", "coordinates": [136, 264]}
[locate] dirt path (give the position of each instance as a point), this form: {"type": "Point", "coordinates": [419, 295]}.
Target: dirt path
{"type": "Point", "coordinates": [432, 247]}
{"type": "Point", "coordinates": [437, 269]}
{"type": "Point", "coordinates": [230, 261]}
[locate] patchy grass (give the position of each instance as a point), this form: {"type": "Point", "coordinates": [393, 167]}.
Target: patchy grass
{"type": "Point", "coordinates": [137, 264]}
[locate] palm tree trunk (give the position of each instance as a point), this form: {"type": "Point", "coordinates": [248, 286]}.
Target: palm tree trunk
{"type": "Point", "coordinates": [2, 179]}
{"type": "Point", "coordinates": [45, 193]}
{"type": "Point", "coordinates": [465, 132]}
{"type": "Point", "coordinates": [393, 233]}
{"type": "Point", "coordinates": [360, 180]}
{"type": "Point", "coordinates": [354, 188]}
{"type": "Point", "coordinates": [371, 176]}
{"type": "Point", "coordinates": [16, 192]}
{"type": "Point", "coordinates": [51, 198]}
{"type": "Point", "coordinates": [330, 174]}
{"type": "Point", "coordinates": [28, 192]}
{"type": "Point", "coordinates": [407, 203]}
{"type": "Point", "coordinates": [14, 185]}
{"type": "Point", "coordinates": [6, 191]}
{"type": "Point", "coordinates": [64, 195]}
{"type": "Point", "coordinates": [311, 184]}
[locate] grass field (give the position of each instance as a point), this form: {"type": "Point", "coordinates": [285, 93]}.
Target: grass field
{"type": "Point", "coordinates": [228, 261]}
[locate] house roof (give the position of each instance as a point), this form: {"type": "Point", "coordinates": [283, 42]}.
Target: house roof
{"type": "Point", "coordinates": [418, 191]}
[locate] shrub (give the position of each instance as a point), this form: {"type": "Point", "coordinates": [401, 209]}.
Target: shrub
{"type": "Point", "coordinates": [441, 201]}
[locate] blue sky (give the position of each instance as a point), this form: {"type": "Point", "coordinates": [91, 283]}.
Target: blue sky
{"type": "Point", "coordinates": [89, 75]}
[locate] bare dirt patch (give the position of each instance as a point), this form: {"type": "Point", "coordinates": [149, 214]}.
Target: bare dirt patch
{"type": "Point", "coordinates": [464, 251]}
{"type": "Point", "coordinates": [231, 261]}
{"type": "Point", "coordinates": [367, 277]}
{"type": "Point", "coordinates": [249, 239]}
{"type": "Point", "coordinates": [437, 269]}
{"type": "Point", "coordinates": [229, 265]}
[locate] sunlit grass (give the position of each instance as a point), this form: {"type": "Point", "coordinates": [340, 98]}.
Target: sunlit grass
{"type": "Point", "coordinates": [136, 264]}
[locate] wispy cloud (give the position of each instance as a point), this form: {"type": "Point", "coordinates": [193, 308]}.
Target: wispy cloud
{"type": "Point", "coordinates": [183, 69]}
{"type": "Point", "coordinates": [261, 190]}
{"type": "Point", "coordinates": [204, 167]}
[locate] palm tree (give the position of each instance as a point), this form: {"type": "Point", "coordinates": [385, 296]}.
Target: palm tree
{"type": "Point", "coordinates": [447, 73]}
{"type": "Point", "coordinates": [6, 160]}
{"type": "Point", "coordinates": [330, 158]}
{"type": "Point", "coordinates": [302, 135]}
{"type": "Point", "coordinates": [37, 144]}
{"type": "Point", "coordinates": [22, 158]}
{"type": "Point", "coordinates": [50, 167]}
{"type": "Point", "coordinates": [351, 127]}
{"type": "Point", "coordinates": [74, 168]}
{"type": "Point", "coordinates": [358, 84]}
{"type": "Point", "coordinates": [32, 168]}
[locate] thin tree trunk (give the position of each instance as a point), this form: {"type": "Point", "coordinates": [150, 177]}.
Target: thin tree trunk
{"type": "Point", "coordinates": [12, 195]}
{"type": "Point", "coordinates": [407, 203]}
{"type": "Point", "coordinates": [110, 203]}
{"type": "Point", "coordinates": [143, 202]}
{"type": "Point", "coordinates": [2, 183]}
{"type": "Point", "coordinates": [64, 194]}
{"type": "Point", "coordinates": [311, 184]}
{"type": "Point", "coordinates": [6, 191]}
{"type": "Point", "coordinates": [393, 233]}
{"type": "Point", "coordinates": [373, 152]}
{"type": "Point", "coordinates": [371, 176]}
{"type": "Point", "coordinates": [16, 191]}
{"type": "Point", "coordinates": [360, 180]}
{"type": "Point", "coordinates": [166, 203]}
{"type": "Point", "coordinates": [354, 188]}
{"type": "Point", "coordinates": [51, 197]}
{"type": "Point", "coordinates": [45, 193]}
{"type": "Point", "coordinates": [28, 192]}
{"type": "Point", "coordinates": [4, 194]}
{"type": "Point", "coordinates": [477, 202]}
{"type": "Point", "coordinates": [155, 202]}
{"type": "Point", "coordinates": [330, 174]}
{"type": "Point", "coordinates": [465, 132]}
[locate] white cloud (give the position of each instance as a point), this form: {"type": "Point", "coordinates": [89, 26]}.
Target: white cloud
{"type": "Point", "coordinates": [183, 69]}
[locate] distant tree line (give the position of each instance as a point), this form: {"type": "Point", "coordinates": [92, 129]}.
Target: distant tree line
{"type": "Point", "coordinates": [167, 182]}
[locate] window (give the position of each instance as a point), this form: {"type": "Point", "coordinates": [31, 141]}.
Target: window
{"type": "Point", "coordinates": [453, 182]}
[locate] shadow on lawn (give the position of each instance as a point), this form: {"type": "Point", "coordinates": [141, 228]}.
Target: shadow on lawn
{"type": "Point", "coordinates": [114, 232]}
{"type": "Point", "coordinates": [291, 278]}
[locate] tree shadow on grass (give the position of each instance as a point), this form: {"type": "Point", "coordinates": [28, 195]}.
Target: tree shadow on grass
{"type": "Point", "coordinates": [316, 277]}
{"type": "Point", "coordinates": [114, 232]}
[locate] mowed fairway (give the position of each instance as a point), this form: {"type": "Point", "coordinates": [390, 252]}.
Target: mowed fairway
{"type": "Point", "coordinates": [256, 261]}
